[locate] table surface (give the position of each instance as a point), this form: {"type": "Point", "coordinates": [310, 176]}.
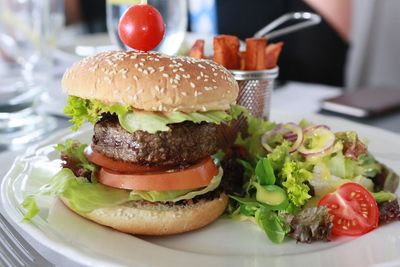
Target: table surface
{"type": "Point", "coordinates": [298, 98]}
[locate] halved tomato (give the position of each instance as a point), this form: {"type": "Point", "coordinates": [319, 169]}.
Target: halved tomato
{"type": "Point", "coordinates": [353, 208]}
{"type": "Point", "coordinates": [119, 166]}
{"type": "Point", "coordinates": [196, 176]}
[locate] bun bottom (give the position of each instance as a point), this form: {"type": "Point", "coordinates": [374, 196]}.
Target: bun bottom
{"type": "Point", "coordinates": [143, 218]}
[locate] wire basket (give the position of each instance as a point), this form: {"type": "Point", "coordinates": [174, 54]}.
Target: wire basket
{"type": "Point", "coordinates": [255, 90]}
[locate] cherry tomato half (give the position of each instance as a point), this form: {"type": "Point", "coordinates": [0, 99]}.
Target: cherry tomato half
{"type": "Point", "coordinates": [141, 27]}
{"type": "Point", "coordinates": [353, 208]}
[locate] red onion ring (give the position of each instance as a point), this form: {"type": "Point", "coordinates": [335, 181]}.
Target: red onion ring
{"type": "Point", "coordinates": [325, 147]}
{"type": "Point", "coordinates": [290, 131]}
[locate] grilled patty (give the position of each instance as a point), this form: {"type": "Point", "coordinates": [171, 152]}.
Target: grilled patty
{"type": "Point", "coordinates": [185, 143]}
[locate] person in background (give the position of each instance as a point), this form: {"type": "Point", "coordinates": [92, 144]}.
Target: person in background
{"type": "Point", "coordinates": [92, 13]}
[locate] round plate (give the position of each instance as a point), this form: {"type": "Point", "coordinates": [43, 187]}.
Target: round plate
{"type": "Point", "coordinates": [223, 243]}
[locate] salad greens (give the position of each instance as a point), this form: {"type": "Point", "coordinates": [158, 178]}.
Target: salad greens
{"type": "Point", "coordinates": [284, 186]}
{"type": "Point", "coordinates": [81, 110]}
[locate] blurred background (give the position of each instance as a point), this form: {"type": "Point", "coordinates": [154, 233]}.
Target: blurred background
{"type": "Point", "coordinates": [355, 47]}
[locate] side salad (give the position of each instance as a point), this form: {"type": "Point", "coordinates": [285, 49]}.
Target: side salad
{"type": "Point", "coordinates": [305, 181]}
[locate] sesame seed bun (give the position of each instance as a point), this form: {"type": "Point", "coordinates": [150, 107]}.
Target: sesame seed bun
{"type": "Point", "coordinates": [136, 217]}
{"type": "Point", "coordinates": [152, 82]}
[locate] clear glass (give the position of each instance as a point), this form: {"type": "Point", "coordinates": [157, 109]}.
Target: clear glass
{"type": "Point", "coordinates": [174, 13]}
{"type": "Point", "coordinates": [28, 31]}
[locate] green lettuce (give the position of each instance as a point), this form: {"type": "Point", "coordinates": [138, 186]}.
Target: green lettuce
{"type": "Point", "coordinates": [158, 121]}
{"type": "Point", "coordinates": [295, 178]}
{"type": "Point", "coordinates": [84, 196]}
{"type": "Point", "coordinates": [176, 195]}
{"type": "Point", "coordinates": [256, 128]}
{"type": "Point", "coordinates": [74, 151]}
{"type": "Point", "coordinates": [81, 110]}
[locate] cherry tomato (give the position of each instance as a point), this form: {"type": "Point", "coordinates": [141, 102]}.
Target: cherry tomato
{"type": "Point", "coordinates": [141, 27]}
{"type": "Point", "coordinates": [353, 208]}
{"type": "Point", "coordinates": [117, 165]}
{"type": "Point", "coordinates": [196, 176]}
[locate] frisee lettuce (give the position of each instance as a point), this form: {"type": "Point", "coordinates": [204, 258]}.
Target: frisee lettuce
{"type": "Point", "coordinates": [81, 110]}
{"type": "Point", "coordinates": [294, 177]}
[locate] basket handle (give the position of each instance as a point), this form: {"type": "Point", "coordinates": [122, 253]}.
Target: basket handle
{"type": "Point", "coordinates": [307, 19]}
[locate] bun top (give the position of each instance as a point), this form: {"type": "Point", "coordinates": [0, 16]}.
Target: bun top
{"type": "Point", "coordinates": [152, 82]}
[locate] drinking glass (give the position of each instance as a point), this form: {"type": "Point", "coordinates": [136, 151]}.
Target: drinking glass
{"type": "Point", "coordinates": [28, 30]}
{"type": "Point", "coordinates": [174, 13]}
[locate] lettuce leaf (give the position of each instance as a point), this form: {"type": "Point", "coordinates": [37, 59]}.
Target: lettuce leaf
{"type": "Point", "coordinates": [152, 122]}
{"type": "Point", "coordinates": [72, 151]}
{"type": "Point", "coordinates": [256, 128]}
{"type": "Point", "coordinates": [84, 196]}
{"type": "Point", "coordinates": [81, 110]}
{"type": "Point", "coordinates": [295, 177]}
{"type": "Point", "coordinates": [176, 195]}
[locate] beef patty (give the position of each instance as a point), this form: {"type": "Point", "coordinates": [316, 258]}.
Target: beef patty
{"type": "Point", "coordinates": [186, 142]}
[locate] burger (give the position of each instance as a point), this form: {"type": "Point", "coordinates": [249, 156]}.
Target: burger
{"type": "Point", "coordinates": [150, 168]}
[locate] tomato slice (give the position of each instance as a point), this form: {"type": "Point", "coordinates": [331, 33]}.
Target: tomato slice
{"type": "Point", "coordinates": [354, 210]}
{"type": "Point", "coordinates": [196, 176]}
{"type": "Point", "coordinates": [116, 165]}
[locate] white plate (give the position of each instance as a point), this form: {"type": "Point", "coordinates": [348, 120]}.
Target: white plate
{"type": "Point", "coordinates": [224, 243]}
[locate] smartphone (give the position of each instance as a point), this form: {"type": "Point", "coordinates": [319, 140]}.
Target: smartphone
{"type": "Point", "coordinates": [364, 103]}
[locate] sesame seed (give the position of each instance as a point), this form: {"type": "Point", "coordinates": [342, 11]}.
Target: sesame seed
{"type": "Point", "coordinates": [181, 69]}
{"type": "Point", "coordinates": [145, 72]}
{"type": "Point", "coordinates": [201, 66]}
{"type": "Point", "coordinates": [141, 64]}
{"type": "Point", "coordinates": [161, 68]}
{"type": "Point", "coordinates": [143, 60]}
{"type": "Point", "coordinates": [157, 88]}
{"type": "Point", "coordinates": [192, 85]}
{"type": "Point", "coordinates": [136, 65]}
{"type": "Point", "coordinates": [203, 108]}
{"type": "Point", "coordinates": [165, 75]}
{"type": "Point", "coordinates": [184, 93]}
{"type": "Point", "coordinates": [135, 77]}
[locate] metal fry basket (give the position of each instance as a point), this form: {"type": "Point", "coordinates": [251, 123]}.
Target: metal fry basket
{"type": "Point", "coordinates": [255, 90]}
